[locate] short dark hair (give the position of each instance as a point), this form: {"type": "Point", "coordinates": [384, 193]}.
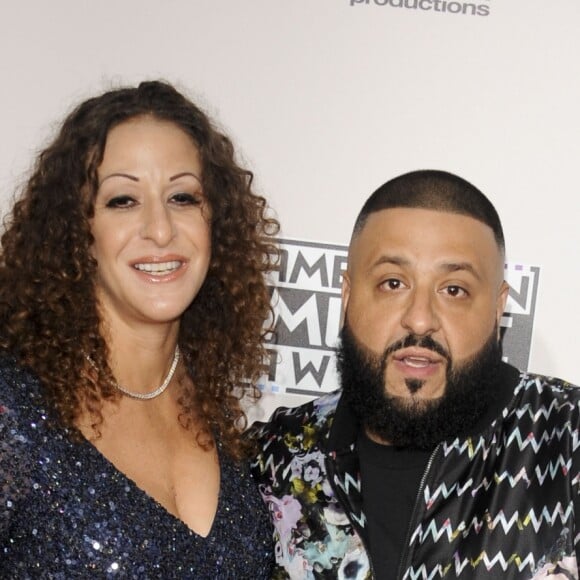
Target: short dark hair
{"type": "Point", "coordinates": [436, 190]}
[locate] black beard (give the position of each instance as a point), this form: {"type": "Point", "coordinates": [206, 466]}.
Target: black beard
{"type": "Point", "coordinates": [417, 423]}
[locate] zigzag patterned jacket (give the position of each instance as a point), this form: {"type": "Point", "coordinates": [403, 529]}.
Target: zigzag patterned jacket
{"type": "Point", "coordinates": [499, 504]}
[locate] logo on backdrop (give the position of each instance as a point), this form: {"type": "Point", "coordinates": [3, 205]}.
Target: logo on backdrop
{"type": "Point", "coordinates": [307, 307]}
{"type": "Point", "coordinates": [446, 6]}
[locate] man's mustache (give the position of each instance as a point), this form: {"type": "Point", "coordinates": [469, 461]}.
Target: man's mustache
{"type": "Point", "coordinates": [421, 341]}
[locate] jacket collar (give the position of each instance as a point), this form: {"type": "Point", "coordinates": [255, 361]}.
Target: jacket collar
{"type": "Point", "coordinates": [344, 429]}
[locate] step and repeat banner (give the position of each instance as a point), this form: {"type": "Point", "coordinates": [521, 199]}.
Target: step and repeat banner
{"type": "Point", "coordinates": [326, 100]}
{"type": "Point", "coordinates": [306, 296]}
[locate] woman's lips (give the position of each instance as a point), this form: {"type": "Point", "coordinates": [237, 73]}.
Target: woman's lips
{"type": "Point", "coordinates": [160, 268]}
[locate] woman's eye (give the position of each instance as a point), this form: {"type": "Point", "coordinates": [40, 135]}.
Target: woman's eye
{"type": "Point", "coordinates": [121, 201]}
{"type": "Point", "coordinates": [183, 198]}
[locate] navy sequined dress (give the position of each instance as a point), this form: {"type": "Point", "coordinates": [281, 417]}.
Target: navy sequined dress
{"type": "Point", "coordinates": [66, 512]}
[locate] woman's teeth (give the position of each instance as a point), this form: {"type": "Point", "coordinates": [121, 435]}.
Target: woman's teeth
{"type": "Point", "coordinates": [158, 267]}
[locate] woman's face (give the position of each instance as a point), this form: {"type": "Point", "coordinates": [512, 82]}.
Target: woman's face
{"type": "Point", "coordinates": [151, 223]}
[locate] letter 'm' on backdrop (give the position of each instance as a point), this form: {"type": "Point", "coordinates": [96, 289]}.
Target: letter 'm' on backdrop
{"type": "Point", "coordinates": [328, 99]}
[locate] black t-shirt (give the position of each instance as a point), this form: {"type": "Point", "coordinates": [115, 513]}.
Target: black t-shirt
{"type": "Point", "coordinates": [390, 481]}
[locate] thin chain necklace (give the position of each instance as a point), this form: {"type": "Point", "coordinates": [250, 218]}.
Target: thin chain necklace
{"type": "Point", "coordinates": [152, 394]}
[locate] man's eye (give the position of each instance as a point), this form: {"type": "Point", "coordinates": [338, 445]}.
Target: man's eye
{"type": "Point", "coordinates": [456, 291]}
{"type": "Point", "coordinates": [392, 284]}
{"type": "Point", "coordinates": [121, 201]}
{"type": "Point", "coordinates": [183, 198]}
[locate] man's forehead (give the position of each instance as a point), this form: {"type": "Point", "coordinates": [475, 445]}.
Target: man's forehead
{"type": "Point", "coordinates": [399, 219]}
{"type": "Point", "coordinates": [422, 230]}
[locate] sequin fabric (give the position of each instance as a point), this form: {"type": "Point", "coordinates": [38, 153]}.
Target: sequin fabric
{"type": "Point", "coordinates": [66, 512]}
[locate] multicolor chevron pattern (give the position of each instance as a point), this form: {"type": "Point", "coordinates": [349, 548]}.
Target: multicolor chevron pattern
{"type": "Point", "coordinates": [501, 504]}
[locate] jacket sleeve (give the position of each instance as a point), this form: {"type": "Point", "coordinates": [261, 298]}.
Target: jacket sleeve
{"type": "Point", "coordinates": [15, 480]}
{"type": "Point", "coordinates": [575, 471]}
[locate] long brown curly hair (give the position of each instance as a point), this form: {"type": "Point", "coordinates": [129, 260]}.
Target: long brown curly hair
{"type": "Point", "coordinates": [49, 317]}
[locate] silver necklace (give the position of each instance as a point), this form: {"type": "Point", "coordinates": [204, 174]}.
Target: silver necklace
{"type": "Point", "coordinates": [152, 394]}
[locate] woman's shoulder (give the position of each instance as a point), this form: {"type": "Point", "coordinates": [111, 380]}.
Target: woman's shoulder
{"type": "Point", "coordinates": [19, 389]}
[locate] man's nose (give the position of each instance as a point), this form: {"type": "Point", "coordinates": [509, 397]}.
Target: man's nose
{"type": "Point", "coordinates": [420, 314]}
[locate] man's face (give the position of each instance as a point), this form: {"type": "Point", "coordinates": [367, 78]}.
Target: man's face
{"type": "Point", "coordinates": [427, 287]}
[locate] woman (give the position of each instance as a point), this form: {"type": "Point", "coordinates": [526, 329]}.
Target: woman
{"type": "Point", "coordinates": [132, 303]}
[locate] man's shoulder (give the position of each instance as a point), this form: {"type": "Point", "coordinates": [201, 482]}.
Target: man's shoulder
{"type": "Point", "coordinates": [313, 416]}
{"type": "Point", "coordinates": [548, 385]}
{"type": "Point", "coordinates": [547, 394]}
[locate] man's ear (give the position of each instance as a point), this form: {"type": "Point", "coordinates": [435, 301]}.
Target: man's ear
{"type": "Point", "coordinates": [502, 297]}
{"type": "Point", "coordinates": [345, 295]}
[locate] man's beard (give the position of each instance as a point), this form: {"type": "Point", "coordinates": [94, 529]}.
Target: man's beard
{"type": "Point", "coordinates": [412, 422]}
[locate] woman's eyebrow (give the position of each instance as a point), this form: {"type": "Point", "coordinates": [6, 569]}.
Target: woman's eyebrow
{"type": "Point", "coordinates": [126, 175]}
{"type": "Point", "coordinates": [184, 174]}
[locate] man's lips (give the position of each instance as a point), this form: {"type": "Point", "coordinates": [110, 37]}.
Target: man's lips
{"type": "Point", "coordinates": [415, 358]}
{"type": "Point", "coordinates": [416, 362]}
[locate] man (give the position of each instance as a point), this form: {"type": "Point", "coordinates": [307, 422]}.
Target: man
{"type": "Point", "coordinates": [435, 459]}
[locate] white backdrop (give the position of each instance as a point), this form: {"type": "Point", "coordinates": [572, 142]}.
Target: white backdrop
{"type": "Point", "coordinates": [327, 99]}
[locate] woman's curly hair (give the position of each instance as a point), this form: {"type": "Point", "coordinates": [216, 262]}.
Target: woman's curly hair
{"type": "Point", "coordinates": [49, 318]}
